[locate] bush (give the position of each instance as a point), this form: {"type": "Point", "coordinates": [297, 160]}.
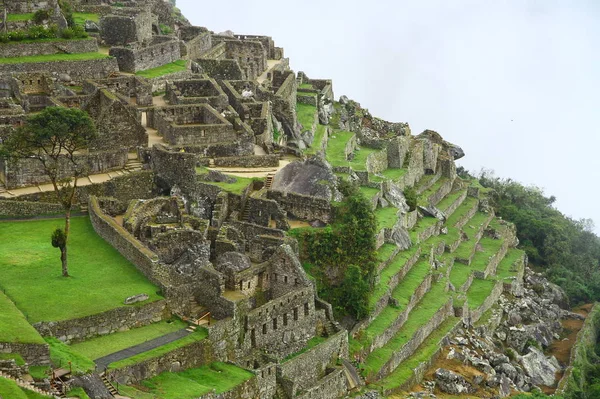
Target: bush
{"type": "Point", "coordinates": [41, 15]}
{"type": "Point", "coordinates": [67, 11]}
{"type": "Point", "coordinates": [17, 35]}
{"type": "Point", "coordinates": [411, 197]}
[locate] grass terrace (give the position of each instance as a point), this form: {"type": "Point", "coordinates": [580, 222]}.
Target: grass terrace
{"type": "Point", "coordinates": [61, 354]}
{"type": "Point", "coordinates": [336, 147]}
{"type": "Point", "coordinates": [199, 335]}
{"type": "Point", "coordinates": [236, 187]}
{"type": "Point", "coordinates": [190, 384]}
{"type": "Point", "coordinates": [462, 210]}
{"type": "Point", "coordinates": [105, 345]}
{"type": "Point", "coordinates": [19, 17]}
{"type": "Point", "coordinates": [31, 273]}
{"type": "Point", "coordinates": [424, 197]}
{"type": "Point", "coordinates": [177, 66]}
{"type": "Point", "coordinates": [506, 267]}
{"type": "Point", "coordinates": [394, 174]}
{"type": "Point", "coordinates": [385, 252]}
{"type": "Point", "coordinates": [490, 248]}
{"type": "Point", "coordinates": [306, 86]}
{"type": "Point", "coordinates": [317, 143]}
{"type": "Point", "coordinates": [386, 217]}
{"type": "Point", "coordinates": [13, 325]}
{"type": "Point", "coordinates": [444, 204]}
{"type": "Point", "coordinates": [479, 291]}
{"type": "Point", "coordinates": [53, 58]}
{"type": "Point", "coordinates": [369, 192]}
{"type": "Point", "coordinates": [359, 162]}
{"type": "Point", "coordinates": [10, 390]}
{"type": "Point", "coordinates": [81, 17]}
{"type": "Point", "coordinates": [314, 341]}
{"type": "Point", "coordinates": [388, 272]}
{"type": "Point", "coordinates": [306, 115]}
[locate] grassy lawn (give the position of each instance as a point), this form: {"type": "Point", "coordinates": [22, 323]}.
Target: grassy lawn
{"type": "Point", "coordinates": [173, 67]}
{"type": "Point", "coordinates": [386, 217]}
{"type": "Point", "coordinates": [10, 390]}
{"type": "Point", "coordinates": [430, 304]}
{"type": "Point", "coordinates": [444, 204]}
{"type": "Point", "coordinates": [317, 143]}
{"type": "Point", "coordinates": [77, 393]}
{"type": "Point", "coordinates": [461, 211]}
{"type": "Point", "coordinates": [306, 86]}
{"type": "Point", "coordinates": [13, 326]}
{"type": "Point", "coordinates": [61, 354]}
{"type": "Point", "coordinates": [53, 58]}
{"type": "Point", "coordinates": [479, 291]}
{"type": "Point", "coordinates": [390, 271]}
{"type": "Point", "coordinates": [237, 187]}
{"type": "Point", "coordinates": [359, 162]}
{"type": "Point", "coordinates": [490, 248]}
{"type": "Point", "coordinates": [506, 266]}
{"type": "Point", "coordinates": [459, 275]}
{"type": "Point", "coordinates": [368, 192]}
{"type": "Point", "coordinates": [107, 344]}
{"type": "Point", "coordinates": [199, 335]}
{"type": "Point", "coordinates": [385, 252]}
{"type": "Point", "coordinates": [394, 173]}
{"type": "Point", "coordinates": [306, 115]}
{"type": "Point", "coordinates": [81, 17]}
{"type": "Point", "coordinates": [19, 17]}
{"type": "Point", "coordinates": [336, 147]}
{"type": "Point", "coordinates": [192, 383]}
{"type": "Point", "coordinates": [422, 354]}
{"type": "Point", "coordinates": [101, 278]}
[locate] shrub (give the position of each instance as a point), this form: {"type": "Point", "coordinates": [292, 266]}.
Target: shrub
{"type": "Point", "coordinates": [67, 11]}
{"type": "Point", "coordinates": [41, 15]}
{"type": "Point", "coordinates": [17, 35]}
{"type": "Point", "coordinates": [411, 197]}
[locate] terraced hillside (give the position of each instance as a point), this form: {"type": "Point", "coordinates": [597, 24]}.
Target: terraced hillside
{"type": "Point", "coordinates": [452, 268]}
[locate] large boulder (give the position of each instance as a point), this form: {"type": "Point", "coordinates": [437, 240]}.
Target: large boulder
{"type": "Point", "coordinates": [313, 177]}
{"type": "Point", "coordinates": [541, 369]}
{"type": "Point", "coordinates": [232, 262]}
{"type": "Point", "coordinates": [452, 383]}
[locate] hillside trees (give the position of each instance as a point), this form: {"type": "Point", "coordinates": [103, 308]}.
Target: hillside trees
{"type": "Point", "coordinates": [53, 137]}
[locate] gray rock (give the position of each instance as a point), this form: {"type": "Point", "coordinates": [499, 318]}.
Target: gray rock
{"type": "Point", "coordinates": [504, 387]}
{"type": "Point", "coordinates": [451, 382]}
{"type": "Point", "coordinates": [313, 177]}
{"type": "Point", "coordinates": [63, 77]}
{"type": "Point", "coordinates": [136, 298]}
{"type": "Point", "coordinates": [542, 370]}
{"type": "Point", "coordinates": [232, 262]}
{"type": "Point", "coordinates": [344, 100]}
{"type": "Point", "coordinates": [401, 238]}
{"type": "Point", "coordinates": [432, 211]}
{"type": "Point", "coordinates": [507, 369]}
{"type": "Point", "coordinates": [456, 151]}
{"type": "Point", "coordinates": [91, 26]}
{"type": "Point", "coordinates": [498, 358]}
{"type": "Point", "coordinates": [395, 196]}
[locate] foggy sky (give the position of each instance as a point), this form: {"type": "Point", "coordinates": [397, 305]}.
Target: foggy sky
{"type": "Point", "coordinates": [515, 83]}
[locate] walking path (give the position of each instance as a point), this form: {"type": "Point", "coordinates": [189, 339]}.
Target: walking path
{"type": "Point", "coordinates": [270, 65]}
{"type": "Point", "coordinates": [103, 362]}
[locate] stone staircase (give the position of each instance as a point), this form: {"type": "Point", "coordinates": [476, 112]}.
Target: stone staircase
{"type": "Point", "coordinates": [269, 181]}
{"type": "Point", "coordinates": [132, 165]}
{"type": "Point", "coordinates": [109, 386]}
{"type": "Point", "coordinates": [330, 328]}
{"type": "Point", "coordinates": [28, 385]}
{"type": "Point", "coordinates": [245, 217]}
{"type": "Point", "coordinates": [280, 393]}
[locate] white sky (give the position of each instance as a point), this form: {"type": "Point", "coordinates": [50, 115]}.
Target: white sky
{"type": "Point", "coordinates": [515, 83]}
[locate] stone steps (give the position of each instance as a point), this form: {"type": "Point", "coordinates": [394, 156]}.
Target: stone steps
{"type": "Point", "coordinates": [109, 386]}
{"type": "Point", "coordinates": [28, 385]}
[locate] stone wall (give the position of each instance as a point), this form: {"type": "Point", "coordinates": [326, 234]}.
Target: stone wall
{"type": "Point", "coordinates": [302, 206]}
{"type": "Point", "coordinates": [249, 161]}
{"type": "Point", "coordinates": [25, 208]}
{"type": "Point", "coordinates": [491, 300]}
{"type": "Point", "coordinates": [441, 193]}
{"type": "Point", "coordinates": [159, 83]}
{"type": "Point", "coordinates": [311, 366]}
{"type": "Point", "coordinates": [250, 389]}
{"type": "Point", "coordinates": [377, 162]}
{"type": "Point", "coordinates": [29, 171]}
{"type": "Point", "coordinates": [196, 91]}
{"type": "Point", "coordinates": [332, 386]}
{"type": "Point", "coordinates": [139, 57]}
{"type": "Point", "coordinates": [27, 6]}
{"type": "Point", "coordinates": [33, 354]}
{"type": "Point", "coordinates": [200, 44]}
{"type": "Point", "coordinates": [127, 86]}
{"type": "Point", "coordinates": [49, 47]}
{"type": "Point", "coordinates": [133, 25]}
{"type": "Point", "coordinates": [77, 70]}
{"type": "Point", "coordinates": [118, 319]}
{"type": "Point", "coordinates": [220, 69]}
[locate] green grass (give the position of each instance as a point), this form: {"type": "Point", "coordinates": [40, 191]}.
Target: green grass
{"type": "Point", "coordinates": [394, 174]}
{"type": "Point", "coordinates": [10, 390]}
{"type": "Point", "coordinates": [385, 252]}
{"type": "Point", "coordinates": [177, 66]}
{"type": "Point", "coordinates": [77, 393]}
{"type": "Point", "coordinates": [19, 17]}
{"type": "Point", "coordinates": [306, 86]}
{"type": "Point", "coordinates": [388, 272]}
{"type": "Point", "coordinates": [459, 275]}
{"type": "Point", "coordinates": [53, 58]}
{"type": "Point", "coordinates": [444, 204]}
{"type": "Point", "coordinates": [336, 147]}
{"type": "Point", "coordinates": [31, 274]}
{"type": "Point", "coordinates": [192, 383]}
{"type": "Point", "coordinates": [238, 187]}
{"type": "Point", "coordinates": [490, 248]}
{"type": "Point", "coordinates": [461, 211]}
{"type": "Point", "coordinates": [306, 115]}
{"type": "Point", "coordinates": [423, 353]}
{"type": "Point", "coordinates": [308, 94]}
{"type": "Point", "coordinates": [61, 354]}
{"type": "Point", "coordinates": [506, 265]}
{"type": "Point", "coordinates": [317, 143]}
{"type": "Point", "coordinates": [359, 162]}
{"type": "Point", "coordinates": [479, 291]}
{"type": "Point", "coordinates": [13, 326]}
{"type": "Point", "coordinates": [199, 335]}
{"type": "Point", "coordinates": [423, 312]}
{"type": "Point", "coordinates": [98, 347]}
{"type": "Point", "coordinates": [314, 341]}
{"type": "Point", "coordinates": [386, 217]}
{"type": "Point", "coordinates": [13, 356]}
{"type": "Point", "coordinates": [81, 17]}
{"type": "Point", "coordinates": [432, 190]}
{"type": "Point", "coordinates": [369, 192]}
{"type": "Point", "coordinates": [39, 372]}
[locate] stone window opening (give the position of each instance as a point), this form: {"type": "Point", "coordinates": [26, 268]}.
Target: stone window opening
{"type": "Point", "coordinates": [295, 314]}
{"type": "Point", "coordinates": [248, 284]}
{"type": "Point", "coordinates": [295, 281]}
{"type": "Point", "coordinates": [241, 285]}
{"type": "Point", "coordinates": [306, 309]}
{"type": "Point", "coordinates": [275, 324]}
{"type": "Point", "coordinates": [203, 133]}
{"type": "Point", "coordinates": [265, 328]}
{"type": "Point", "coordinates": [285, 319]}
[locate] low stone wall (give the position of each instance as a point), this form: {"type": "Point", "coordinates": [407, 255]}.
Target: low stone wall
{"type": "Point", "coordinates": [475, 314]}
{"type": "Point", "coordinates": [159, 83]}
{"type": "Point", "coordinates": [454, 206]}
{"type": "Point", "coordinates": [13, 208]}
{"type": "Point", "coordinates": [119, 319]}
{"type": "Point", "coordinates": [417, 339]}
{"type": "Point", "coordinates": [77, 70]}
{"type": "Point", "coordinates": [303, 206]}
{"type": "Point", "coordinates": [440, 193]}
{"type": "Point", "coordinates": [306, 98]}
{"type": "Point", "coordinates": [249, 161]}
{"type": "Point", "coordinates": [247, 390]}
{"type": "Point", "coordinates": [49, 47]}
{"type": "Point", "coordinates": [33, 354]}
{"type": "Point", "coordinates": [193, 355]}
{"type": "Point", "coordinates": [332, 386]}
{"type": "Point", "coordinates": [467, 216]}
{"type": "Point", "coordinates": [377, 162]}
{"type": "Point", "coordinates": [307, 368]}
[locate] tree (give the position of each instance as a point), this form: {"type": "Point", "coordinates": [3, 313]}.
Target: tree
{"type": "Point", "coordinates": [53, 137]}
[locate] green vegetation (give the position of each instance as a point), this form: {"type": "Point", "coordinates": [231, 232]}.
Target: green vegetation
{"type": "Point", "coordinates": [506, 266]}
{"type": "Point", "coordinates": [359, 162]}
{"type": "Point", "coordinates": [336, 147]}
{"type": "Point", "coordinates": [314, 341]}
{"type": "Point", "coordinates": [462, 211]}
{"type": "Point", "coordinates": [105, 345]}
{"type": "Point", "coordinates": [53, 58]}
{"type": "Point", "coordinates": [199, 335]}
{"type": "Point", "coordinates": [77, 393]}
{"type": "Point", "coordinates": [19, 17]}
{"type": "Point", "coordinates": [12, 356]}
{"type": "Point", "coordinates": [39, 32]}
{"type": "Point", "coordinates": [317, 143]}
{"type": "Point", "coordinates": [192, 383]}
{"type": "Point", "coordinates": [567, 249]}
{"type": "Point", "coordinates": [61, 354]}
{"type": "Point", "coordinates": [444, 204]}
{"type": "Point", "coordinates": [13, 326]}
{"type": "Point", "coordinates": [177, 66]}
{"type": "Point", "coordinates": [238, 187]}
{"type": "Point", "coordinates": [479, 291]}
{"type": "Point", "coordinates": [81, 17]}
{"type": "Point", "coordinates": [306, 115]}
{"type": "Point", "coordinates": [306, 86]}
{"type": "Point", "coordinates": [386, 217]}
{"type": "Point", "coordinates": [394, 174]}
{"type": "Point", "coordinates": [385, 252]}
{"type": "Point", "coordinates": [345, 249]}
{"type": "Point", "coordinates": [369, 192]}
{"type": "Point", "coordinates": [31, 276]}
{"type": "Point", "coordinates": [39, 372]}
{"type": "Point", "coordinates": [388, 272]}
{"type": "Point", "coordinates": [10, 390]}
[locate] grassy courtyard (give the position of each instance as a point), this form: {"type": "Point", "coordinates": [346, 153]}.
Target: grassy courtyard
{"type": "Point", "coordinates": [31, 273]}
{"type": "Point", "coordinates": [13, 326]}
{"type": "Point", "coordinates": [177, 66]}
{"type": "Point", "coordinates": [53, 58]}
